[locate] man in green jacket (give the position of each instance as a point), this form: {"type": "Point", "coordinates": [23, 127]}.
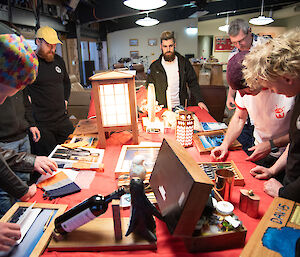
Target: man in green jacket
{"type": "Point", "coordinates": [172, 75]}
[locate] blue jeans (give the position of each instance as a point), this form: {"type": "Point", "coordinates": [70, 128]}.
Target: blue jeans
{"type": "Point", "coordinates": [22, 145]}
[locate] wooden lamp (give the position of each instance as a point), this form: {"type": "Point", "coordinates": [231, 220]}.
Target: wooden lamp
{"type": "Point", "coordinates": [115, 103]}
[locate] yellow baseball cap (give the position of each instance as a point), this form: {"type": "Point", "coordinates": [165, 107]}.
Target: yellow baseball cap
{"type": "Point", "coordinates": [48, 34]}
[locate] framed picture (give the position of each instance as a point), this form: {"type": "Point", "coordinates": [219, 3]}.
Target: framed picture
{"type": "Point", "coordinates": [37, 226]}
{"type": "Point", "coordinates": [133, 42]}
{"type": "Point", "coordinates": [206, 141]}
{"type": "Point", "coordinates": [134, 54]}
{"type": "Point", "coordinates": [223, 44]}
{"type": "Point", "coordinates": [127, 154]}
{"type": "Point", "coordinates": [152, 42]}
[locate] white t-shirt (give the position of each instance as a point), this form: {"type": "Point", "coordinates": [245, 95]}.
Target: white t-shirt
{"type": "Point", "coordinates": [270, 113]}
{"type": "Point", "coordinates": [172, 71]}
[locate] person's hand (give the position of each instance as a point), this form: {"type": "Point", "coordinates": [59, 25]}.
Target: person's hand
{"type": "Point", "coordinates": [36, 135]}
{"type": "Point", "coordinates": [272, 186]}
{"type": "Point", "coordinates": [44, 165]}
{"type": "Point", "coordinates": [260, 172]}
{"type": "Point", "coordinates": [30, 193]}
{"type": "Point", "coordinates": [203, 106]}
{"type": "Point", "coordinates": [219, 153]}
{"type": "Point", "coordinates": [9, 234]}
{"type": "Point", "coordinates": [259, 151]}
{"type": "Point", "coordinates": [66, 104]}
{"type": "Point", "coordinates": [230, 103]}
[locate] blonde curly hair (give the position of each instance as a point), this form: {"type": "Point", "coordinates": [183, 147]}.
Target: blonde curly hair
{"type": "Point", "coordinates": [279, 56]}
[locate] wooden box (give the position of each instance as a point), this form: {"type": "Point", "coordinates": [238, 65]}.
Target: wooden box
{"type": "Point", "coordinates": [281, 214]}
{"type": "Point", "coordinates": [182, 189]}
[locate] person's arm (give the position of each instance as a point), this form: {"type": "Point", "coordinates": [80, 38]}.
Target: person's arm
{"type": "Point", "coordinates": [10, 182]}
{"type": "Point", "coordinates": [150, 77]}
{"type": "Point", "coordinates": [191, 79]}
{"type": "Point", "coordinates": [25, 162]}
{"type": "Point", "coordinates": [260, 172]}
{"type": "Point", "coordinates": [235, 128]}
{"type": "Point", "coordinates": [264, 148]}
{"type": "Point", "coordinates": [67, 83]}
{"type": "Point", "coordinates": [36, 135]}
{"type": "Point", "coordinates": [230, 103]}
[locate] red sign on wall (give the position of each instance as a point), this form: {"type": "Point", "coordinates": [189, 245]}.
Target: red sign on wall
{"type": "Point", "coordinates": [223, 44]}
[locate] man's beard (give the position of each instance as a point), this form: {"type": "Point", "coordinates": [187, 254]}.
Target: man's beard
{"type": "Point", "coordinates": [169, 56]}
{"type": "Point", "coordinates": [47, 56]}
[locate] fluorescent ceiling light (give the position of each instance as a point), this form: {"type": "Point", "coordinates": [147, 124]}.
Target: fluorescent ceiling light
{"type": "Point", "coordinates": [191, 31]}
{"type": "Point", "coordinates": [145, 4]}
{"type": "Point", "coordinates": [261, 20]}
{"type": "Point", "coordinates": [147, 22]}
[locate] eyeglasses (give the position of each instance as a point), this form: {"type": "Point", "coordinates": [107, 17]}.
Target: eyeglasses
{"type": "Point", "coordinates": [240, 41]}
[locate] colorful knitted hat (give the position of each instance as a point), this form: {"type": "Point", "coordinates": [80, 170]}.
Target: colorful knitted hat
{"type": "Point", "coordinates": [18, 62]}
{"type": "Point", "coordinates": [234, 72]}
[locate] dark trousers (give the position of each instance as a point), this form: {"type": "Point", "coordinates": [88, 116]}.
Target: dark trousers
{"type": "Point", "coordinates": [51, 135]}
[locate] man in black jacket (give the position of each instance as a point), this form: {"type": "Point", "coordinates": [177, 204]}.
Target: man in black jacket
{"type": "Point", "coordinates": [49, 94]}
{"type": "Point", "coordinates": [18, 66]}
{"type": "Point", "coordinates": [171, 74]}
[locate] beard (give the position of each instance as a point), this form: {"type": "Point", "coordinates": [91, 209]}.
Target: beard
{"type": "Point", "coordinates": [47, 56]}
{"type": "Point", "coordinates": [169, 56]}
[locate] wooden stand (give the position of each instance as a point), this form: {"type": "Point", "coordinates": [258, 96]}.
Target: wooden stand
{"type": "Point", "coordinates": [102, 234]}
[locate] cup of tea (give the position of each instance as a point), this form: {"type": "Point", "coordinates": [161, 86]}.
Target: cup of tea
{"type": "Point", "coordinates": [224, 183]}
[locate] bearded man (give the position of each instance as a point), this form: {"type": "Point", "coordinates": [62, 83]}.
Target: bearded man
{"type": "Point", "coordinates": [49, 94]}
{"type": "Point", "coordinates": [172, 75]}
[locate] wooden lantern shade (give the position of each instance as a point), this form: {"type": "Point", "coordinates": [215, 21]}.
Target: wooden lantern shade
{"type": "Point", "coordinates": [185, 128]}
{"type": "Point", "coordinates": [115, 104]}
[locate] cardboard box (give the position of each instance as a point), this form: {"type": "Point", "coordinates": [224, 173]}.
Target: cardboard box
{"type": "Point", "coordinates": [182, 189]}
{"type": "Point", "coordinates": [281, 214]}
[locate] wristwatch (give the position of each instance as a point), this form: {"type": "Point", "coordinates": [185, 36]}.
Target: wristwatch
{"type": "Point", "coordinates": [274, 149]}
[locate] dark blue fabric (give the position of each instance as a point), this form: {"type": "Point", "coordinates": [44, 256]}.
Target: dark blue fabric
{"type": "Point", "coordinates": [69, 189]}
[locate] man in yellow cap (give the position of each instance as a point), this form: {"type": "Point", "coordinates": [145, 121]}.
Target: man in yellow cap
{"type": "Point", "coordinates": [49, 94]}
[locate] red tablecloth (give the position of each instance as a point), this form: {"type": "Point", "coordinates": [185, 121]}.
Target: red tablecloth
{"type": "Point", "coordinates": [167, 245]}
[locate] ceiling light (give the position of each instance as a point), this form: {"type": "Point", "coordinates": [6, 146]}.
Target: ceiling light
{"type": "Point", "coordinates": [191, 31]}
{"type": "Point", "coordinates": [224, 28]}
{"type": "Point", "coordinates": [145, 4]}
{"type": "Point", "coordinates": [261, 20]}
{"type": "Point", "coordinates": [147, 21]}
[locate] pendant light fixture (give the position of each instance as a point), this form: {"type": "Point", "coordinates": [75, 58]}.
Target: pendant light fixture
{"type": "Point", "coordinates": [147, 21]}
{"type": "Point", "coordinates": [145, 4]}
{"type": "Point", "coordinates": [261, 20]}
{"type": "Point", "coordinates": [225, 27]}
